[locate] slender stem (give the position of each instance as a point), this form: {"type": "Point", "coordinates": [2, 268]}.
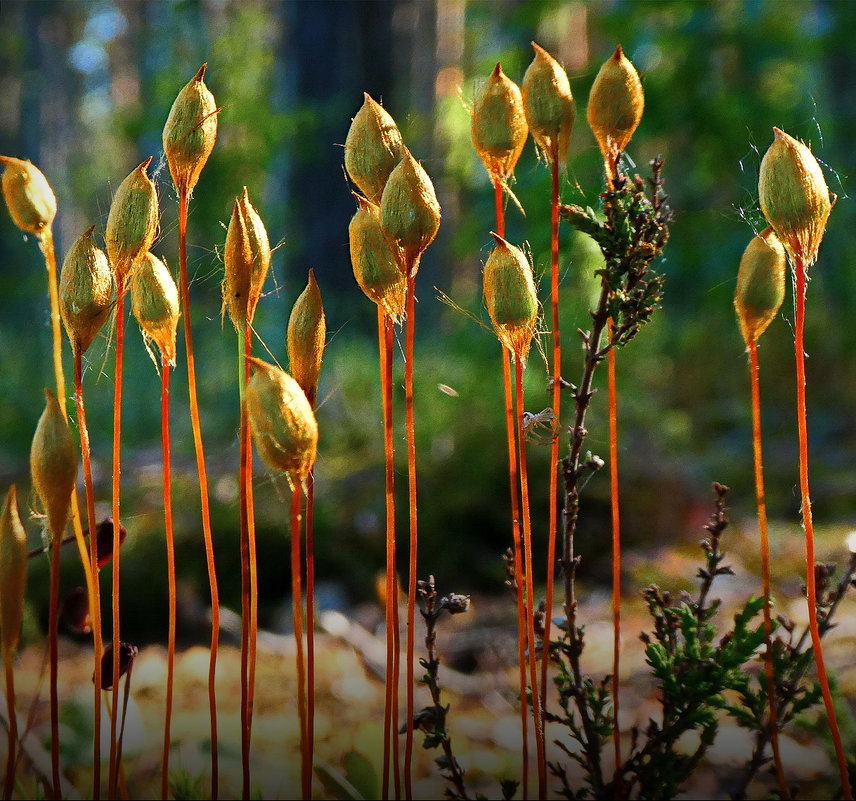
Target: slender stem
{"type": "Point", "coordinates": [46, 243]}
{"type": "Point", "coordinates": [616, 552]}
{"type": "Point", "coordinates": [765, 566]}
{"type": "Point", "coordinates": [811, 584]}
{"type": "Point", "coordinates": [95, 600]}
{"type": "Point", "coordinates": [246, 726]}
{"type": "Point", "coordinates": [557, 411]}
{"type": "Point", "coordinates": [310, 628]}
{"type": "Point", "coordinates": [117, 469]}
{"type": "Point", "coordinates": [203, 483]}
{"type": "Point", "coordinates": [411, 493]}
{"type": "Point", "coordinates": [53, 643]}
{"type": "Point", "coordinates": [390, 711]}
{"type": "Point", "coordinates": [537, 712]}
{"type": "Point", "coordinates": [514, 490]}
{"type": "Point", "coordinates": [297, 616]}
{"type": "Point", "coordinates": [251, 544]}
{"type": "Point", "coordinates": [170, 559]}
{"type": "Point", "coordinates": [9, 670]}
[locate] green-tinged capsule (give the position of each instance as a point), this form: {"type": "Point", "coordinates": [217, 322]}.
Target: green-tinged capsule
{"type": "Point", "coordinates": [154, 298]}
{"type": "Point", "coordinates": [499, 127]}
{"type": "Point", "coordinates": [372, 148]}
{"type": "Point", "coordinates": [512, 303]}
{"type": "Point", "coordinates": [190, 132]}
{"type": "Point", "coordinates": [760, 284]}
{"type": "Point", "coordinates": [85, 291]}
{"type": "Point", "coordinates": [794, 196]}
{"type": "Point", "coordinates": [374, 262]}
{"type": "Point", "coordinates": [13, 572]}
{"type": "Point", "coordinates": [282, 421]}
{"type": "Point", "coordinates": [615, 104]}
{"type": "Point", "coordinates": [409, 212]}
{"type": "Point", "coordinates": [247, 260]}
{"type": "Point", "coordinates": [132, 224]}
{"type": "Point", "coordinates": [307, 334]}
{"type": "Point", "coordinates": [29, 197]}
{"type": "Point", "coordinates": [549, 105]}
{"type": "Point", "coordinates": [53, 465]}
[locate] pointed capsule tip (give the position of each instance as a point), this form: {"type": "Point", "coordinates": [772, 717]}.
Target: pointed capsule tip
{"type": "Point", "coordinates": [201, 74]}
{"type": "Point", "coordinates": [499, 240]}
{"type": "Point", "coordinates": [619, 53]}
{"type": "Point", "coordinates": [88, 231]}
{"type": "Point", "coordinates": [145, 165]}
{"type": "Point", "coordinates": [497, 70]}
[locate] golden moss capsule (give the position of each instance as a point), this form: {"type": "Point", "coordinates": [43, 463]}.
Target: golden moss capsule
{"type": "Point", "coordinates": [154, 299]}
{"type": "Point", "coordinates": [53, 465]}
{"type": "Point", "coordinates": [132, 224]}
{"type": "Point", "coordinates": [512, 303]}
{"type": "Point", "coordinates": [372, 148]}
{"type": "Point", "coordinates": [549, 105]}
{"type": "Point", "coordinates": [85, 291]}
{"type": "Point", "coordinates": [247, 260]}
{"type": "Point", "coordinates": [374, 261]}
{"type": "Point", "coordinates": [190, 132]}
{"type": "Point", "coordinates": [615, 104]}
{"type": "Point", "coordinates": [13, 572]}
{"type": "Point", "coordinates": [760, 284]}
{"type": "Point", "coordinates": [307, 333]}
{"type": "Point", "coordinates": [794, 196]}
{"type": "Point", "coordinates": [29, 197]}
{"type": "Point", "coordinates": [281, 420]}
{"type": "Point", "coordinates": [409, 212]}
{"type": "Point", "coordinates": [499, 127]}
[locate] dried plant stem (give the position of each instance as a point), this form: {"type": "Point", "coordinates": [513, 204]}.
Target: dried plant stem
{"type": "Point", "coordinates": [411, 494]}
{"type": "Point", "coordinates": [53, 643]}
{"type": "Point", "coordinates": [616, 551]}
{"type": "Point", "coordinates": [95, 600]}
{"type": "Point", "coordinates": [390, 712]}
{"type": "Point", "coordinates": [203, 484]}
{"type": "Point", "coordinates": [811, 584]}
{"type": "Point", "coordinates": [117, 470]}
{"type": "Point", "coordinates": [170, 560]}
{"type": "Point", "coordinates": [765, 567]}
{"type": "Point", "coordinates": [514, 495]}
{"type": "Point", "coordinates": [537, 712]}
{"type": "Point", "coordinates": [9, 670]}
{"type": "Point", "coordinates": [249, 572]}
{"type": "Point", "coordinates": [557, 411]}
{"type": "Point", "coordinates": [297, 617]}
{"type": "Point", "coordinates": [310, 627]}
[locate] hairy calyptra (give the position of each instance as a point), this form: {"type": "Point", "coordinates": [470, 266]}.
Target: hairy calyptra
{"type": "Point", "coordinates": [132, 224]}
{"type": "Point", "coordinates": [154, 299]}
{"type": "Point", "coordinates": [29, 197]}
{"type": "Point", "coordinates": [549, 105]}
{"type": "Point", "coordinates": [13, 572]}
{"type": "Point", "coordinates": [615, 104]}
{"type": "Point", "coordinates": [760, 284]}
{"type": "Point", "coordinates": [499, 127]}
{"type": "Point", "coordinates": [307, 332]}
{"type": "Point", "coordinates": [372, 149]}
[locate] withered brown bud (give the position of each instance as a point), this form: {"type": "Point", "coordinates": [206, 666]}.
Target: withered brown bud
{"type": "Point", "coordinates": [53, 465]}
{"type": "Point", "coordinates": [132, 224]}
{"type": "Point", "coordinates": [85, 291]}
{"type": "Point", "coordinates": [499, 126]}
{"type": "Point", "coordinates": [281, 420]}
{"type": "Point", "coordinates": [372, 149]}
{"type": "Point", "coordinates": [29, 197]}
{"type": "Point", "coordinates": [127, 654]}
{"type": "Point", "coordinates": [247, 261]}
{"type": "Point", "coordinates": [307, 332]}
{"type": "Point", "coordinates": [75, 611]}
{"type": "Point", "coordinates": [190, 132]}
{"type": "Point", "coordinates": [104, 540]}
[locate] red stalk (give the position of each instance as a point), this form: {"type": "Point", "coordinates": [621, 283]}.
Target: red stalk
{"type": "Point", "coordinates": [557, 403]}
{"type": "Point", "coordinates": [117, 470]}
{"type": "Point", "coordinates": [170, 558]}
{"type": "Point", "coordinates": [537, 714]}
{"type": "Point", "coordinates": [765, 566]}
{"type": "Point", "coordinates": [95, 601]}
{"type": "Point", "coordinates": [510, 429]}
{"type": "Point", "coordinates": [811, 584]}
{"type": "Point", "coordinates": [390, 712]}
{"type": "Point", "coordinates": [54, 662]}
{"type": "Point", "coordinates": [203, 484]}
{"type": "Point", "coordinates": [310, 628]}
{"type": "Point", "coordinates": [297, 616]}
{"type": "Point", "coordinates": [9, 670]}
{"type": "Point", "coordinates": [411, 493]}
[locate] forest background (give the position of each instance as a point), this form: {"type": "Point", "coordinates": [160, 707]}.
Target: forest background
{"type": "Point", "coordinates": [85, 88]}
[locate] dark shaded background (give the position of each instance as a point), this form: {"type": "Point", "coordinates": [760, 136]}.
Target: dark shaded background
{"type": "Point", "coordinates": [85, 89]}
